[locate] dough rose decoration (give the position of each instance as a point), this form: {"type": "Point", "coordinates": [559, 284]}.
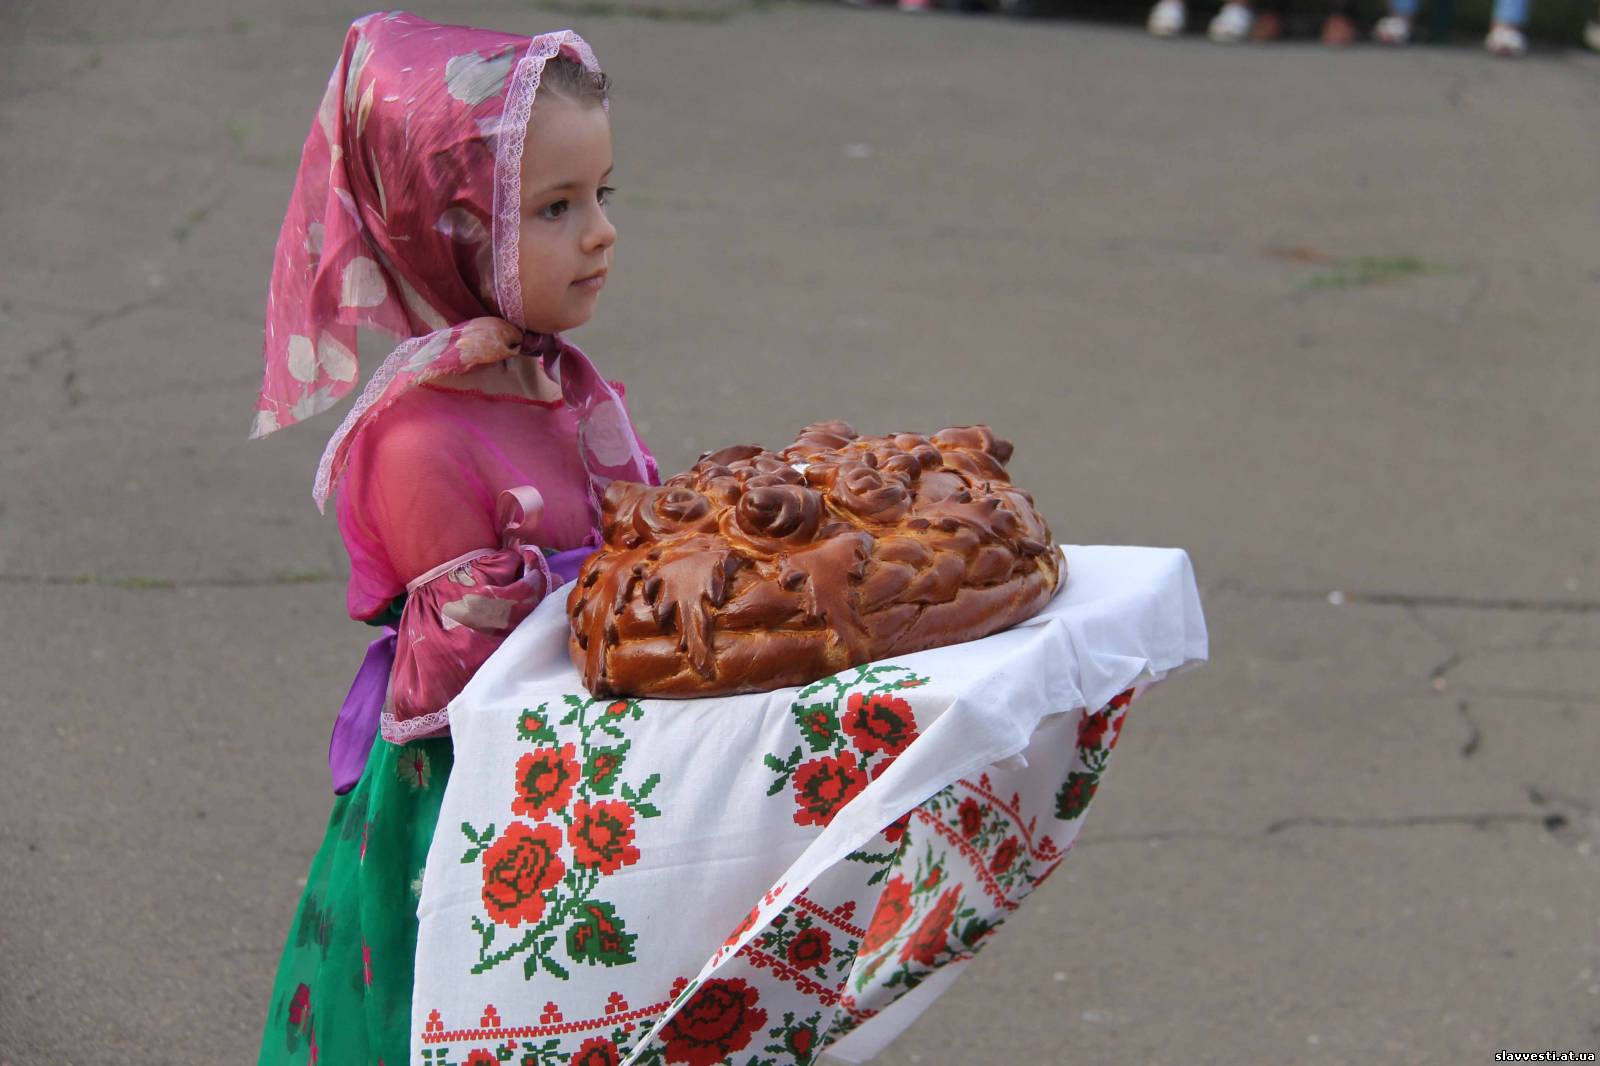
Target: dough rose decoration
{"type": "Point", "coordinates": [755, 570]}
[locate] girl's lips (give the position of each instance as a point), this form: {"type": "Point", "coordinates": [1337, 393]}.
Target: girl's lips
{"type": "Point", "coordinates": [593, 283]}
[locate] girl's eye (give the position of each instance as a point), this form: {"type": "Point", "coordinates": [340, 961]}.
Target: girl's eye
{"type": "Point", "coordinates": [554, 211]}
{"type": "Point", "coordinates": [606, 193]}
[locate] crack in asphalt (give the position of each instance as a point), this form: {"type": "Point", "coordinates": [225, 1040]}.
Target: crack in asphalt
{"type": "Point", "coordinates": [1478, 820]}
{"type": "Point", "coordinates": [1474, 740]}
{"type": "Point", "coordinates": [67, 341]}
{"type": "Point", "coordinates": [138, 583]}
{"type": "Point", "coordinates": [1410, 600]}
{"type": "Point", "coordinates": [1551, 822]}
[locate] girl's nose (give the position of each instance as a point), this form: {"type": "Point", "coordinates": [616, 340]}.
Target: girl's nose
{"type": "Point", "coordinates": [600, 235]}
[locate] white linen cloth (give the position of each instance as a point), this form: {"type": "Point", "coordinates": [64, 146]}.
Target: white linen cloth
{"type": "Point", "coordinates": [752, 879]}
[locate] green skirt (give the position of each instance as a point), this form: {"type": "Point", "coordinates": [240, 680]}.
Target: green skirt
{"type": "Point", "coordinates": [343, 992]}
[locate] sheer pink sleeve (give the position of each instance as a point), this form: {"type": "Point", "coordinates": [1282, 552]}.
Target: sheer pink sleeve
{"type": "Point", "coordinates": [405, 506]}
{"type": "Point", "coordinates": [421, 515]}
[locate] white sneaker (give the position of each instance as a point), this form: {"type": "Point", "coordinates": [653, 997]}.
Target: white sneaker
{"type": "Point", "coordinates": [1231, 25]}
{"type": "Point", "coordinates": [1506, 41]}
{"type": "Point", "coordinates": [1591, 35]}
{"type": "Point", "coordinates": [1167, 18]}
{"type": "Point", "coordinates": [1392, 29]}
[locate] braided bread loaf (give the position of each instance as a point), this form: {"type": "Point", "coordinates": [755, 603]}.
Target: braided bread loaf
{"type": "Point", "coordinates": [752, 571]}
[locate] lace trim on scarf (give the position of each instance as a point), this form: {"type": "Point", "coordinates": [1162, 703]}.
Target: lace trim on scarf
{"type": "Point", "coordinates": [506, 217]}
{"type": "Point", "coordinates": [370, 395]}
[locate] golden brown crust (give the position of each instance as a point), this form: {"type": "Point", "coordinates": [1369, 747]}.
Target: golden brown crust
{"type": "Point", "coordinates": [753, 570]}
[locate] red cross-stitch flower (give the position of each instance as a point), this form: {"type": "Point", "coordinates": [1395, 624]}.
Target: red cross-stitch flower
{"type": "Point", "coordinates": [719, 1019]}
{"type": "Point", "coordinates": [893, 905]}
{"type": "Point", "coordinates": [602, 835]}
{"type": "Point", "coordinates": [897, 828]}
{"type": "Point", "coordinates": [596, 1051]}
{"type": "Point", "coordinates": [971, 816]}
{"type": "Point", "coordinates": [824, 785]}
{"type": "Point", "coordinates": [931, 936]}
{"type": "Point", "coordinates": [1004, 855]}
{"type": "Point", "coordinates": [1092, 730]}
{"type": "Point", "coordinates": [544, 781]}
{"type": "Point", "coordinates": [1116, 730]}
{"type": "Point", "coordinates": [812, 947]}
{"type": "Point", "coordinates": [880, 723]}
{"type": "Point", "coordinates": [800, 1041]}
{"type": "Point", "coordinates": [518, 869]}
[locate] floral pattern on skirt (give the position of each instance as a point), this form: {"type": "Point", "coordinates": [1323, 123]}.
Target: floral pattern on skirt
{"type": "Point", "coordinates": [343, 991]}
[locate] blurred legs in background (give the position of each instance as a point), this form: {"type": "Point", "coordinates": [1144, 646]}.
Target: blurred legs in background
{"type": "Point", "coordinates": [1505, 36]}
{"type": "Point", "coordinates": [1338, 28]}
{"type": "Point", "coordinates": [1230, 26]}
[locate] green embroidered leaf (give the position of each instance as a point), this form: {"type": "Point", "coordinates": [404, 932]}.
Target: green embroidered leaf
{"type": "Point", "coordinates": [1075, 794]}
{"type": "Point", "coordinates": [600, 769]}
{"type": "Point", "coordinates": [557, 970]}
{"type": "Point", "coordinates": [778, 785]}
{"type": "Point", "coordinates": [480, 841]}
{"type": "Point", "coordinates": [599, 937]}
{"type": "Point", "coordinates": [819, 725]}
{"type": "Point", "coordinates": [774, 764]}
{"type": "Point", "coordinates": [534, 725]}
{"type": "Point", "coordinates": [974, 931]}
{"type": "Point", "coordinates": [872, 857]}
{"type": "Point", "coordinates": [649, 785]}
{"type": "Point", "coordinates": [647, 810]}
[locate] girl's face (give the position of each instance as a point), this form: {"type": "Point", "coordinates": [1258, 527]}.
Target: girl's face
{"type": "Point", "coordinates": [566, 239]}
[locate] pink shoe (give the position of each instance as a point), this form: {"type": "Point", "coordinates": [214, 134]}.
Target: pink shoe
{"type": "Point", "coordinates": [915, 7]}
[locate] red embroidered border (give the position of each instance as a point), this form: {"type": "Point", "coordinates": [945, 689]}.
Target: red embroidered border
{"type": "Point", "coordinates": [830, 917]}
{"type": "Point", "coordinates": [1016, 819]}
{"type": "Point", "coordinates": [762, 960]}
{"type": "Point", "coordinates": [524, 1032]}
{"type": "Point", "coordinates": [973, 856]}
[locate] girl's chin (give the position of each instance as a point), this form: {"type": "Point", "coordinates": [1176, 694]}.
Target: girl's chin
{"type": "Point", "coordinates": [572, 316]}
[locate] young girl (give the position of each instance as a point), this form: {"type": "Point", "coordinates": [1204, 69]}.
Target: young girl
{"type": "Point", "coordinates": [452, 191]}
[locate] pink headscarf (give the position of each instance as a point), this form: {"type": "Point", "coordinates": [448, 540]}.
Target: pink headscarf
{"type": "Point", "coordinates": [405, 218]}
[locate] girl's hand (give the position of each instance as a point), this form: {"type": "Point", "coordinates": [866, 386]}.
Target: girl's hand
{"type": "Point", "coordinates": [485, 341]}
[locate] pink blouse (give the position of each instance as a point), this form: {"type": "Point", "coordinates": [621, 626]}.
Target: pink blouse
{"type": "Point", "coordinates": [448, 497]}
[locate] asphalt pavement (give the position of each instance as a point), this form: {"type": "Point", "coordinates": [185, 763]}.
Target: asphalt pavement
{"type": "Point", "coordinates": [1328, 321]}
